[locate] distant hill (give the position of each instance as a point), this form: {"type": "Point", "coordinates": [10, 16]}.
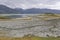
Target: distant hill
{"type": "Point", "coordinates": [38, 10]}
{"type": "Point", "coordinates": [6, 10]}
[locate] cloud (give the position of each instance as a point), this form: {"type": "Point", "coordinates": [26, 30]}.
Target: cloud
{"type": "Point", "coordinates": [52, 4]}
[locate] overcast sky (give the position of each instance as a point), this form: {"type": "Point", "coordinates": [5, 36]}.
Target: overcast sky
{"type": "Point", "coordinates": [51, 4]}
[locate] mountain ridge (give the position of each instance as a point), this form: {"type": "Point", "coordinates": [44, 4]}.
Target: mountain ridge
{"type": "Point", "coordinates": [7, 10]}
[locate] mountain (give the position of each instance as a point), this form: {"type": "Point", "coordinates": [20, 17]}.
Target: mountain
{"type": "Point", "coordinates": [19, 10]}
{"type": "Point", "coordinates": [6, 10]}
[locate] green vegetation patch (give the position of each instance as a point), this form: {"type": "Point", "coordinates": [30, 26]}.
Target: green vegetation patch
{"type": "Point", "coordinates": [29, 38]}
{"type": "Point", "coordinates": [4, 17]}
{"type": "Point", "coordinates": [32, 37]}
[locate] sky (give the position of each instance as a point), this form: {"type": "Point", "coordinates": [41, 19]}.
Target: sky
{"type": "Point", "coordinates": [26, 4]}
